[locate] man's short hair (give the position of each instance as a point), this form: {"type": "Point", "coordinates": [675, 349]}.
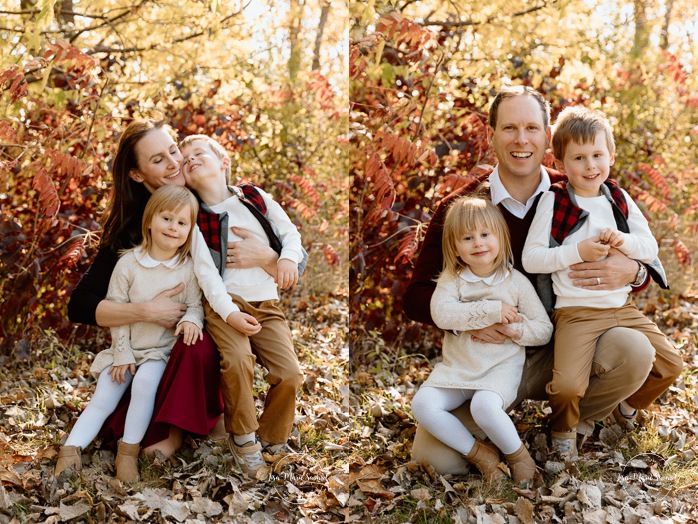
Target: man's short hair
{"type": "Point", "coordinates": [511, 92]}
{"type": "Point", "coordinates": [580, 125]}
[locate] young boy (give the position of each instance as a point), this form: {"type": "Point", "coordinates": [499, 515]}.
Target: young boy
{"type": "Point", "coordinates": [577, 221]}
{"type": "Point", "coordinates": [241, 312]}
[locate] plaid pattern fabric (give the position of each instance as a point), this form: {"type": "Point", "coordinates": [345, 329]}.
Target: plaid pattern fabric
{"type": "Point", "coordinates": [210, 226]}
{"type": "Point", "coordinates": [254, 197]}
{"type": "Point", "coordinates": [216, 234]}
{"type": "Point", "coordinates": [566, 214]}
{"type": "Point", "coordinates": [215, 231]}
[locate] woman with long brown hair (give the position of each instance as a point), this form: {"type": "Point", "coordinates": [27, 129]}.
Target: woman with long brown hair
{"type": "Point", "coordinates": [188, 399]}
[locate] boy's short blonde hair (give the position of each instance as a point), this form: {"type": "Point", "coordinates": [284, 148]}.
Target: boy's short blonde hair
{"type": "Point", "coordinates": [580, 124]}
{"type": "Point", "coordinates": [170, 198]}
{"type": "Point", "coordinates": [217, 149]}
{"type": "Point", "coordinates": [465, 215]}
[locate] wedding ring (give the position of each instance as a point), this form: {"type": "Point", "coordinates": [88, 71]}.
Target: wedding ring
{"type": "Point", "coordinates": [598, 281]}
{"type": "Point", "coordinates": [230, 259]}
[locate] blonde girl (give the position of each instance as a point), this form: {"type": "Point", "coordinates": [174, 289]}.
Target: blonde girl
{"type": "Point", "coordinates": [159, 263]}
{"type": "Point", "coordinates": [479, 287]}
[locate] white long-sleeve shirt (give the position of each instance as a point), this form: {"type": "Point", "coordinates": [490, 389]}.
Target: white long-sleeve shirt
{"type": "Point", "coordinates": [252, 284]}
{"type": "Point", "coordinates": [538, 257]}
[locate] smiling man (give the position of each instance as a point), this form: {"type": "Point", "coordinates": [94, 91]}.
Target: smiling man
{"type": "Point", "coordinates": [519, 131]}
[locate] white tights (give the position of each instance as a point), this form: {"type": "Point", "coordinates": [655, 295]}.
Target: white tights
{"type": "Point", "coordinates": [106, 398]}
{"type": "Point", "coordinates": [431, 407]}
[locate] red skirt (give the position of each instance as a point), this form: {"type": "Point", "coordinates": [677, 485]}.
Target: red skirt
{"type": "Point", "coordinates": [189, 396]}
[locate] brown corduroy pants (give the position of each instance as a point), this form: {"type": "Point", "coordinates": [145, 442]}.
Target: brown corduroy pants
{"type": "Point", "coordinates": [273, 347]}
{"type": "Point", "coordinates": [577, 330]}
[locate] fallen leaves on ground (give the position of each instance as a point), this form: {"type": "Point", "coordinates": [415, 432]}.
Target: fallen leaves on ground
{"type": "Point", "coordinates": [645, 476]}
{"type": "Point", "coordinates": [40, 401]}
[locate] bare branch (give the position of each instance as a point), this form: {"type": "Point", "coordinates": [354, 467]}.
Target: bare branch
{"type": "Point", "coordinates": [122, 50]}
{"type": "Point", "coordinates": [466, 23]}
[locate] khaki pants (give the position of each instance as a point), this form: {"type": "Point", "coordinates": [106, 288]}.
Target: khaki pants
{"type": "Point", "coordinates": [273, 347]}
{"type": "Point", "coordinates": [576, 331]}
{"type": "Point", "coordinates": [620, 365]}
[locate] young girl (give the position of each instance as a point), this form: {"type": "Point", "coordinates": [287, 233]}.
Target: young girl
{"type": "Point", "coordinates": [477, 288]}
{"type": "Point", "coordinates": [159, 263]}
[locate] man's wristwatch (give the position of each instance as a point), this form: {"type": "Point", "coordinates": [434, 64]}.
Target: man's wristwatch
{"type": "Point", "coordinates": [641, 275]}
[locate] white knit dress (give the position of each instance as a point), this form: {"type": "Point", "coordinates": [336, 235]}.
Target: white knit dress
{"type": "Point", "coordinates": [468, 302]}
{"type": "Point", "coordinates": [139, 278]}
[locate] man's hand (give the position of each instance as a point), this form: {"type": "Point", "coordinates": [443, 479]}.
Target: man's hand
{"type": "Point", "coordinates": [286, 274]}
{"type": "Point", "coordinates": [244, 323]}
{"type": "Point", "coordinates": [613, 272]}
{"type": "Point", "coordinates": [592, 249]}
{"type": "Point", "coordinates": [190, 331]}
{"type": "Point", "coordinates": [118, 373]}
{"type": "Point", "coordinates": [165, 311]}
{"type": "Point", "coordinates": [250, 252]}
{"type": "Point", "coordinates": [495, 334]}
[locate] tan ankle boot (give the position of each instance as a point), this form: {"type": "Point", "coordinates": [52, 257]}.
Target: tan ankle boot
{"type": "Point", "coordinates": [127, 461]}
{"type": "Point", "coordinates": [485, 457]}
{"type": "Point", "coordinates": [521, 464]}
{"type": "Point", "coordinates": [68, 457]}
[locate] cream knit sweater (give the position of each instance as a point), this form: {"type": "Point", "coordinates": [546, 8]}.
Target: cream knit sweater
{"type": "Point", "coordinates": [139, 278]}
{"type": "Point", "coordinates": [460, 305]}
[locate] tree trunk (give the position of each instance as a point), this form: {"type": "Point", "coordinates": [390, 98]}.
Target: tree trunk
{"type": "Point", "coordinates": [664, 44]}
{"type": "Point", "coordinates": [642, 29]}
{"type": "Point", "coordinates": [294, 25]}
{"type": "Point", "coordinates": [64, 11]}
{"type": "Point", "coordinates": [318, 37]}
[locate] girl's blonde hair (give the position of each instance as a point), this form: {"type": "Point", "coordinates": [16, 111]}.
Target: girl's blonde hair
{"type": "Point", "coordinates": [465, 215]}
{"type": "Point", "coordinates": [170, 198]}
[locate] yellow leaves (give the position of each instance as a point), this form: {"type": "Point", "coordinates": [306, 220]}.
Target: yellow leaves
{"type": "Point", "coordinates": [45, 17]}
{"type": "Point", "coordinates": [33, 28]}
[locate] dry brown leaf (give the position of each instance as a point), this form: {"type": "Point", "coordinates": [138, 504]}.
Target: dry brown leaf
{"type": "Point", "coordinates": [524, 510]}
{"type": "Point", "coordinates": [338, 487]}
{"type": "Point", "coordinates": [237, 503]}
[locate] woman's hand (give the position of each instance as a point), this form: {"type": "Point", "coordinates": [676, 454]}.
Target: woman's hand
{"type": "Point", "coordinates": [613, 272]}
{"type": "Point", "coordinates": [164, 311]}
{"type": "Point", "coordinates": [250, 252]}
{"type": "Point", "coordinates": [190, 331]}
{"type": "Point", "coordinates": [495, 334]}
{"type": "Point", "coordinates": [118, 373]}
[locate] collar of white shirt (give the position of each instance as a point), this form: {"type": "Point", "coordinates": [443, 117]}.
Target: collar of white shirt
{"type": "Point", "coordinates": [492, 280]}
{"type": "Point", "coordinates": [499, 193]}
{"type": "Point", "coordinates": [145, 260]}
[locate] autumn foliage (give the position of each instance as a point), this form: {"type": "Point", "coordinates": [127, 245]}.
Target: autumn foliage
{"type": "Point", "coordinates": [55, 154]}
{"type": "Point", "coordinates": [419, 131]}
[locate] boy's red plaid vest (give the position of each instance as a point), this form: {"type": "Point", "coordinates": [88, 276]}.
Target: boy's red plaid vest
{"type": "Point", "coordinates": [214, 226]}
{"type": "Point", "coordinates": [568, 217]}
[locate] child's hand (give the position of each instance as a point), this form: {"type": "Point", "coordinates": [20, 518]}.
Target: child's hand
{"type": "Point", "coordinates": [191, 332]}
{"type": "Point", "coordinates": [244, 323]}
{"type": "Point", "coordinates": [510, 314]}
{"type": "Point", "coordinates": [592, 249]}
{"type": "Point", "coordinates": [118, 373]}
{"type": "Point", "coordinates": [612, 237]}
{"type": "Point", "coordinates": [286, 273]}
